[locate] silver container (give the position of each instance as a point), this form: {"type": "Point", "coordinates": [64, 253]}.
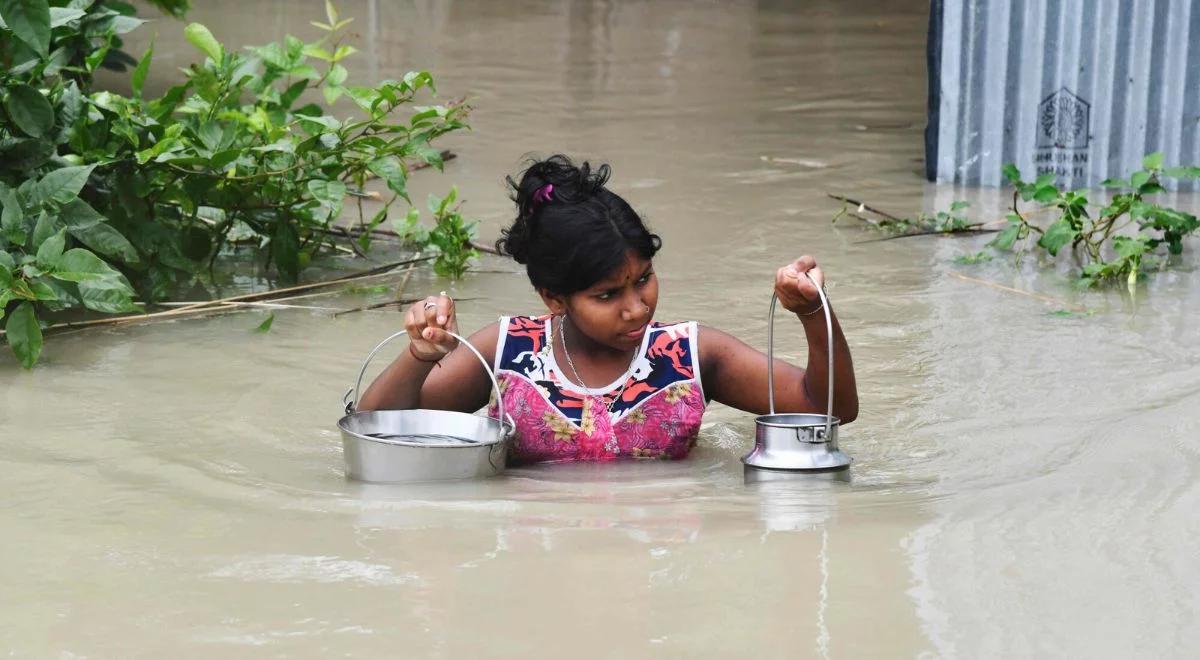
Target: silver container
{"type": "Point", "coordinates": [395, 446]}
{"type": "Point", "coordinates": [796, 442]}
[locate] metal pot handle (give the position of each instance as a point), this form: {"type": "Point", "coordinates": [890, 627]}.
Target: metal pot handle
{"type": "Point", "coordinates": [501, 417]}
{"type": "Point", "coordinates": [771, 353]}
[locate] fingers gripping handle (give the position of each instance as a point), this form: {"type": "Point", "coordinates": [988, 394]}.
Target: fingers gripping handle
{"type": "Point", "coordinates": [771, 352]}
{"type": "Point", "coordinates": [351, 403]}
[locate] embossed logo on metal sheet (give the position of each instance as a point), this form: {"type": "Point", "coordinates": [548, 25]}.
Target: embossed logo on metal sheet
{"type": "Point", "coordinates": [1063, 135]}
{"type": "Point", "coordinates": [1064, 120]}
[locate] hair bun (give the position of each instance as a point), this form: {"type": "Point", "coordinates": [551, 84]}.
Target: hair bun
{"type": "Point", "coordinates": [571, 185]}
{"type": "Point", "coordinates": [571, 231]}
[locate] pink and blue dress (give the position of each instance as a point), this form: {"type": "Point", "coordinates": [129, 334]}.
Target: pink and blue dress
{"type": "Point", "coordinates": [657, 415]}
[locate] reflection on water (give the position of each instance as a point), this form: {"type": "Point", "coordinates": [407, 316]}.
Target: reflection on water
{"type": "Point", "coordinates": [1024, 483]}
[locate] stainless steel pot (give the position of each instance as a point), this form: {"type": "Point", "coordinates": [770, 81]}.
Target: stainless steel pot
{"type": "Point", "coordinates": [796, 441]}
{"type": "Point", "coordinates": [393, 446]}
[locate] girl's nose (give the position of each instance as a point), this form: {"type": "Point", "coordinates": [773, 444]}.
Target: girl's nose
{"type": "Point", "coordinates": [634, 310]}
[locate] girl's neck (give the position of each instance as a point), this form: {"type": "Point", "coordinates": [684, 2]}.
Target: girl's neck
{"type": "Point", "coordinates": [591, 351]}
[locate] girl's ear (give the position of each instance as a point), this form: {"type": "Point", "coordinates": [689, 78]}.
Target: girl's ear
{"type": "Point", "coordinates": [555, 303]}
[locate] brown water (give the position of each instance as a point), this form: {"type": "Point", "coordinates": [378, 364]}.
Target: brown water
{"type": "Point", "coordinates": [1025, 483]}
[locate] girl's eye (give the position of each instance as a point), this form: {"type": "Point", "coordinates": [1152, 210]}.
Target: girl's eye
{"type": "Point", "coordinates": [645, 278]}
{"type": "Point", "coordinates": [607, 295]}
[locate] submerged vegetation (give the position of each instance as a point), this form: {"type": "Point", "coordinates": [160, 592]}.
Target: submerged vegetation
{"type": "Point", "coordinates": [1111, 242]}
{"type": "Point", "coordinates": [1093, 233]}
{"type": "Point", "coordinates": [110, 202]}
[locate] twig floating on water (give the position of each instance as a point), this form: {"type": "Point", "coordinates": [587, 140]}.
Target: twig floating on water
{"type": "Point", "coordinates": [865, 207]}
{"type": "Point", "coordinates": [226, 304]}
{"type": "Point", "coordinates": [969, 232]}
{"type": "Point", "coordinates": [1030, 294]}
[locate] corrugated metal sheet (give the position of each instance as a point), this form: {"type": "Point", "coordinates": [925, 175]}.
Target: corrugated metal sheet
{"type": "Point", "coordinates": [1082, 88]}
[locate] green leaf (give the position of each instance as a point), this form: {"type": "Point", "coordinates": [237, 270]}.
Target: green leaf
{"type": "Point", "coordinates": [29, 110]}
{"type": "Point", "coordinates": [1044, 180]}
{"type": "Point", "coordinates": [200, 37]}
{"type": "Point", "coordinates": [343, 52]}
{"type": "Point", "coordinates": [29, 21]}
{"type": "Point", "coordinates": [973, 259]}
{"type": "Point", "coordinates": [331, 12]}
{"type": "Point", "coordinates": [107, 295]}
{"type": "Point", "coordinates": [20, 289]}
{"type": "Point", "coordinates": [78, 214]}
{"type": "Point", "coordinates": [97, 56]}
{"type": "Point", "coordinates": [332, 93]}
{"type": "Point", "coordinates": [44, 229]}
{"type": "Point", "coordinates": [265, 326]}
{"type": "Point", "coordinates": [1139, 179]}
{"type": "Point", "coordinates": [106, 240]}
{"type": "Point", "coordinates": [1128, 247]}
{"type": "Point", "coordinates": [1011, 173]}
{"type": "Point", "coordinates": [138, 80]}
{"type": "Point", "coordinates": [63, 185]}
{"type": "Point", "coordinates": [42, 291]}
{"type": "Point", "coordinates": [125, 24]}
{"type": "Point", "coordinates": [288, 97]}
{"type": "Point", "coordinates": [70, 107]}
{"type": "Point", "coordinates": [51, 249]}
{"type": "Point", "coordinates": [1007, 237]}
{"type": "Point", "coordinates": [330, 193]}
{"type": "Point", "coordinates": [448, 202]}
{"type": "Point", "coordinates": [313, 50]}
{"type": "Point", "coordinates": [318, 124]}
{"type": "Point", "coordinates": [391, 170]}
{"type": "Point", "coordinates": [1057, 235]}
{"type": "Point", "coordinates": [222, 159]}
{"type": "Point", "coordinates": [337, 75]}
{"type": "Point", "coordinates": [63, 292]}
{"type": "Point", "coordinates": [13, 215]}
{"type": "Point", "coordinates": [1153, 161]}
{"type": "Point", "coordinates": [1182, 172]}
{"type": "Point", "coordinates": [80, 265]}
{"type": "Point", "coordinates": [24, 334]}
{"type": "Point", "coordinates": [6, 262]}
{"type": "Point", "coordinates": [60, 16]}
{"type": "Point", "coordinates": [1114, 183]}
{"type": "Point", "coordinates": [1046, 194]}
{"type": "Point", "coordinates": [26, 153]}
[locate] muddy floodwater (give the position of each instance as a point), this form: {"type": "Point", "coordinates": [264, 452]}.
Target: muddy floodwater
{"type": "Point", "coordinates": [1025, 482]}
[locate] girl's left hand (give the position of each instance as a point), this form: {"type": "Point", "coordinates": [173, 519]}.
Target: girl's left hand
{"type": "Point", "coordinates": [797, 293]}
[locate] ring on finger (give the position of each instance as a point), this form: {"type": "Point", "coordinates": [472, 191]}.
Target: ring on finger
{"type": "Point", "coordinates": [429, 304]}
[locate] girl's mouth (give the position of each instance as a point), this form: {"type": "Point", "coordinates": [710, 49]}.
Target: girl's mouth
{"type": "Point", "coordinates": [637, 334]}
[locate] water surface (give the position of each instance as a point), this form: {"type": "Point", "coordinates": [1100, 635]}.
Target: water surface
{"type": "Point", "coordinates": [1024, 485]}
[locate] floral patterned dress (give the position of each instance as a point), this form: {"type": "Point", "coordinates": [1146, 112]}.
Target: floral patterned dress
{"type": "Point", "coordinates": [657, 416]}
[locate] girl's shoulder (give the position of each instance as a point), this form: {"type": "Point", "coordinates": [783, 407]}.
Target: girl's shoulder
{"type": "Point", "coordinates": [518, 322]}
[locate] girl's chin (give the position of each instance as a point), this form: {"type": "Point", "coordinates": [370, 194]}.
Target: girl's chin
{"type": "Point", "coordinates": [635, 336]}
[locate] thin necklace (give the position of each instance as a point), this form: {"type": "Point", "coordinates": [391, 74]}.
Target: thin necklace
{"type": "Point", "coordinates": [610, 444]}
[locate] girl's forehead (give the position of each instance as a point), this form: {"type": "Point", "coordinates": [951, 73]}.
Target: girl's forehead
{"type": "Point", "coordinates": [632, 269]}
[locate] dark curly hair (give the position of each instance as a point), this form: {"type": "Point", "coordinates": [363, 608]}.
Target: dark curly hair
{"type": "Point", "coordinates": [579, 233]}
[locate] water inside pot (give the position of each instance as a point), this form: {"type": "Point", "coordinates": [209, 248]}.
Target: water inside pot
{"type": "Point", "coordinates": [424, 438]}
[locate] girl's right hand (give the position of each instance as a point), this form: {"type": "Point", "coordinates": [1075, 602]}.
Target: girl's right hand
{"type": "Point", "coordinates": [427, 322]}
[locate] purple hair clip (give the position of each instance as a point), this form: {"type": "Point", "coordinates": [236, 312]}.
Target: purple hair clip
{"type": "Point", "coordinates": [543, 194]}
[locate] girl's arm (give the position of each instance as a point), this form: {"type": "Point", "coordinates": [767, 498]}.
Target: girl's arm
{"type": "Point", "coordinates": [433, 374]}
{"type": "Point", "coordinates": [736, 374]}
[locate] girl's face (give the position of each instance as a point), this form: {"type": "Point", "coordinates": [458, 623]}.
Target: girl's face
{"type": "Point", "coordinates": [616, 310]}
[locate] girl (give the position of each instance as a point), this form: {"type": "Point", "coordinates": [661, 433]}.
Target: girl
{"type": "Point", "coordinates": [597, 378]}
